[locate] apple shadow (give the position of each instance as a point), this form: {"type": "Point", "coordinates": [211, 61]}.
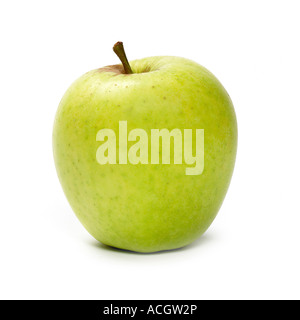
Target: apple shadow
{"type": "Point", "coordinates": [203, 240]}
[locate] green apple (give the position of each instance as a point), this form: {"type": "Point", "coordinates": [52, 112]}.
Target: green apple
{"type": "Point", "coordinates": [127, 155]}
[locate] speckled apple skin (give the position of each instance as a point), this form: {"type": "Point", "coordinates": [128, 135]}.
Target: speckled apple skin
{"type": "Point", "coordinates": [145, 208]}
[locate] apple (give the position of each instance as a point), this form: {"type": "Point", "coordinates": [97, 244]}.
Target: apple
{"type": "Point", "coordinates": [145, 151]}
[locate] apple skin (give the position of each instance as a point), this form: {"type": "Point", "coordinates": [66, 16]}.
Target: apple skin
{"type": "Point", "coordinates": [145, 208]}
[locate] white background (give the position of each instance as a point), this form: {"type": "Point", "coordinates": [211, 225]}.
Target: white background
{"type": "Point", "coordinates": [251, 251]}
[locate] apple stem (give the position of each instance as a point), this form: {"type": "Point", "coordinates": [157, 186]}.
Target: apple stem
{"type": "Point", "coordinates": [120, 52]}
